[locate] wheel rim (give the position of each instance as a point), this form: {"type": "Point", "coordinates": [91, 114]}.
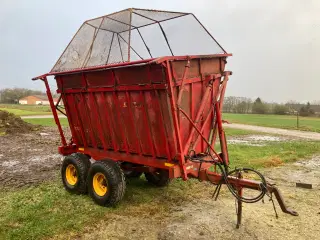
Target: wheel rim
{"type": "Point", "coordinates": [100, 184]}
{"type": "Point", "coordinates": [71, 174]}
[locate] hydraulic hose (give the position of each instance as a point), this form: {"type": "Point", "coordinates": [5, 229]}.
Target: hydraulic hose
{"type": "Point", "coordinates": [225, 174]}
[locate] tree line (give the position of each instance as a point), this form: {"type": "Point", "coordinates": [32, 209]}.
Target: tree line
{"type": "Point", "coordinates": [12, 95]}
{"type": "Point", "coordinates": [246, 105]}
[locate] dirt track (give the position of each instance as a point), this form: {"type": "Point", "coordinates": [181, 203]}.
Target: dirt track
{"type": "Point", "coordinates": [293, 133]}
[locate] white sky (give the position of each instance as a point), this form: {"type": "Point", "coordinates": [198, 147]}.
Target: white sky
{"type": "Point", "coordinates": [276, 44]}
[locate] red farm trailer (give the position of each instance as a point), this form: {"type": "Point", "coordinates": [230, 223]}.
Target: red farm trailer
{"type": "Point", "coordinates": [143, 92]}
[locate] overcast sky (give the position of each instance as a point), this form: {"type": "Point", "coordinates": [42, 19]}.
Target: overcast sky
{"type": "Point", "coordinates": [275, 44]}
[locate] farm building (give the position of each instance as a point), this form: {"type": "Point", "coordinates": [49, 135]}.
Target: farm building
{"type": "Point", "coordinates": [36, 100]}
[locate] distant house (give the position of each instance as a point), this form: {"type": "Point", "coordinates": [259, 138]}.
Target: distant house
{"type": "Point", "coordinates": [36, 100]}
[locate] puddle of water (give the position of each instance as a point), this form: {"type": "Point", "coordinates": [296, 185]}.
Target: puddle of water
{"type": "Point", "coordinates": [9, 163]}
{"type": "Point", "coordinates": [255, 140]}
{"type": "Point", "coordinates": [44, 134]}
{"type": "Point", "coordinates": [37, 159]}
{"type": "Point", "coordinates": [264, 138]}
{"type": "Point", "coordinates": [246, 142]}
{"type": "Point", "coordinates": [313, 163]}
{"type": "Point", "coordinates": [44, 158]}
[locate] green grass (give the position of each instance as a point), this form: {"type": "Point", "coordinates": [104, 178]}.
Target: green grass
{"type": "Point", "coordinates": [24, 110]}
{"type": "Point", "coordinates": [231, 132]}
{"type": "Point", "coordinates": [46, 121]}
{"type": "Point", "coordinates": [272, 154]}
{"type": "Point", "coordinates": [48, 210]}
{"type": "Point", "coordinates": [277, 121]}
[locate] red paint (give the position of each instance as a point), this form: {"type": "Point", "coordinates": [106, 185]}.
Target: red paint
{"type": "Point", "coordinates": [138, 112]}
{"type": "Point", "coordinates": [54, 112]}
{"type": "Point", "coordinates": [155, 113]}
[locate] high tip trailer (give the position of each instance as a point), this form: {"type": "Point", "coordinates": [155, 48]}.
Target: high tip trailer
{"type": "Point", "coordinates": [143, 92]}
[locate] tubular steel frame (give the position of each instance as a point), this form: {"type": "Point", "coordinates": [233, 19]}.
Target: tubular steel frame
{"type": "Point", "coordinates": [130, 29]}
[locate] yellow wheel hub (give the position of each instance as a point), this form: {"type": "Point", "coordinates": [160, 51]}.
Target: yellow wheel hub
{"type": "Point", "coordinates": [71, 174]}
{"type": "Point", "coordinates": [100, 184]}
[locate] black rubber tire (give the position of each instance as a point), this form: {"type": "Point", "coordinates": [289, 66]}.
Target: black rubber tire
{"type": "Point", "coordinates": [159, 178]}
{"type": "Point", "coordinates": [132, 174]}
{"type": "Point", "coordinates": [116, 183]}
{"type": "Point", "coordinates": [81, 163]}
{"type": "Point", "coordinates": [84, 158]}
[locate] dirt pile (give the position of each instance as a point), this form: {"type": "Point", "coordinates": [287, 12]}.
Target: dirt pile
{"type": "Point", "coordinates": [10, 124]}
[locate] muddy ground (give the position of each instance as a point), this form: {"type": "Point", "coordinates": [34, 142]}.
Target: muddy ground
{"type": "Point", "coordinates": [31, 158]}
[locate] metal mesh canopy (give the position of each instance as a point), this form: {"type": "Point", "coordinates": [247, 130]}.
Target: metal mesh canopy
{"type": "Point", "coordinates": [134, 34]}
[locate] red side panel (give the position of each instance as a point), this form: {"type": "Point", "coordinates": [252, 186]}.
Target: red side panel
{"type": "Point", "coordinates": [134, 118]}
{"type": "Point", "coordinates": [129, 109]}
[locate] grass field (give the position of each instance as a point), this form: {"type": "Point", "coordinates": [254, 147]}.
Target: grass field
{"type": "Point", "coordinates": [271, 154]}
{"type": "Point", "coordinates": [26, 110]}
{"type": "Point", "coordinates": [277, 121]}
{"type": "Point", "coordinates": [48, 210]}
{"type": "Point", "coordinates": [46, 121]}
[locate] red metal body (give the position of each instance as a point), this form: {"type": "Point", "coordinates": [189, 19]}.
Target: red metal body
{"type": "Point", "coordinates": [152, 112]}
{"type": "Point", "coordinates": [157, 113]}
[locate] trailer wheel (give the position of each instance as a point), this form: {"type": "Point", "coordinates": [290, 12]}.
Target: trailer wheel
{"type": "Point", "coordinates": [159, 178]}
{"type": "Point", "coordinates": [106, 183]}
{"type": "Point", "coordinates": [74, 171]}
{"type": "Point", "coordinates": [84, 158]}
